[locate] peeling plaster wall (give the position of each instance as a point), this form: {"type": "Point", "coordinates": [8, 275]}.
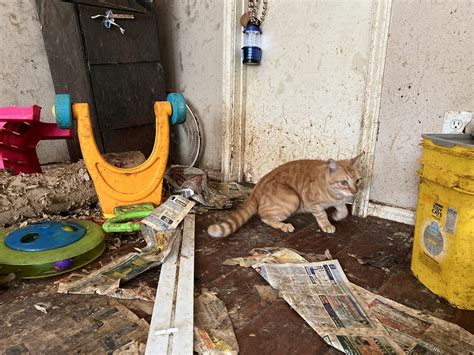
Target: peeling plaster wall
{"type": "Point", "coordinates": [191, 37]}
{"type": "Point", "coordinates": [428, 70]}
{"type": "Point", "coordinates": [24, 70]}
{"type": "Point", "coordinates": [305, 100]}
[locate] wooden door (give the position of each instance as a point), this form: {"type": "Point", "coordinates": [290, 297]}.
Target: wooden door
{"type": "Point", "coordinates": [119, 75]}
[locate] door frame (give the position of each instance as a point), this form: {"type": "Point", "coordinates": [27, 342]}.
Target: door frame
{"type": "Point", "coordinates": [381, 18]}
{"type": "Point", "coordinates": [234, 95]}
{"type": "Point", "coordinates": [234, 79]}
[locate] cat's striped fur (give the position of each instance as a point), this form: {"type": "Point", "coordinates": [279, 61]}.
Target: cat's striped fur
{"type": "Point", "coordinates": [297, 187]}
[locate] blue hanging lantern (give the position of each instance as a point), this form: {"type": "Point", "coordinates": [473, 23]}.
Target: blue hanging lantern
{"type": "Point", "coordinates": [251, 51]}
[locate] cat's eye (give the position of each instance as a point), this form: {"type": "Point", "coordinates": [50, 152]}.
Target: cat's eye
{"type": "Point", "coordinates": [358, 181]}
{"type": "Point", "coordinates": [344, 182]}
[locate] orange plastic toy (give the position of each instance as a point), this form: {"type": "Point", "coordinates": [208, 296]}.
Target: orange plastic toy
{"type": "Point", "coordinates": [116, 186]}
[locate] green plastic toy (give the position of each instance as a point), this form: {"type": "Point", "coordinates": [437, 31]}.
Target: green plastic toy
{"type": "Point", "coordinates": [124, 217]}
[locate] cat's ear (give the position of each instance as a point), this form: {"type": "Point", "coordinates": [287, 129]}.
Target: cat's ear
{"type": "Point", "coordinates": [332, 165]}
{"type": "Point", "coordinates": [356, 161]}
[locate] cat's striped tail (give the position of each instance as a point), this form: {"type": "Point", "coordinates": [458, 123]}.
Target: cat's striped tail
{"type": "Point", "coordinates": [235, 220]}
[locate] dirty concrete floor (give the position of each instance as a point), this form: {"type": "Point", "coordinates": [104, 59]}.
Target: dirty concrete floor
{"type": "Point", "coordinates": [263, 324]}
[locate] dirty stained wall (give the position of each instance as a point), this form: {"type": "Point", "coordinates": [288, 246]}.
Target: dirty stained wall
{"type": "Point", "coordinates": [305, 100]}
{"type": "Point", "coordinates": [428, 70]}
{"type": "Point", "coordinates": [24, 70]}
{"type": "Point", "coordinates": [191, 35]}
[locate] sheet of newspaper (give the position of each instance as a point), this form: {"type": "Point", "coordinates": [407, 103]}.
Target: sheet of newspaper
{"type": "Point", "coordinates": [107, 279]}
{"type": "Point", "coordinates": [213, 331]}
{"type": "Point", "coordinates": [356, 321]}
{"type": "Point", "coordinates": [159, 231]}
{"type": "Point", "coordinates": [169, 214]}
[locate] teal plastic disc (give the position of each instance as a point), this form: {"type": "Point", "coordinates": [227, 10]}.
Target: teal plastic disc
{"type": "Point", "coordinates": [63, 110]}
{"type": "Point", "coordinates": [179, 108]}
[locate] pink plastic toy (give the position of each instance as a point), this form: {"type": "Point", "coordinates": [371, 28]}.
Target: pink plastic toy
{"type": "Point", "coordinates": [20, 132]}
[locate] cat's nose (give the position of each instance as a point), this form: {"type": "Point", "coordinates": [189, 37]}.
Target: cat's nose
{"type": "Point", "coordinates": [353, 189]}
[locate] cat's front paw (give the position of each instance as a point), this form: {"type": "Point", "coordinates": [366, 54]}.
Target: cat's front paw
{"type": "Point", "coordinates": [288, 228]}
{"type": "Point", "coordinates": [329, 229]}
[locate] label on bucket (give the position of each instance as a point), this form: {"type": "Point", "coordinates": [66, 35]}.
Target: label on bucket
{"type": "Point", "coordinates": [451, 220]}
{"type": "Point", "coordinates": [433, 239]}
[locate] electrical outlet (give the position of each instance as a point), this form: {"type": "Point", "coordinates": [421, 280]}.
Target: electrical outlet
{"type": "Point", "coordinates": [455, 121]}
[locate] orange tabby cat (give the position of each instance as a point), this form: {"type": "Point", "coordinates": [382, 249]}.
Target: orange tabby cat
{"type": "Point", "coordinates": [298, 186]}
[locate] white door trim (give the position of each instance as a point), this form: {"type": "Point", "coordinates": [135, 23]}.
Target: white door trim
{"type": "Point", "coordinates": [393, 213]}
{"type": "Point", "coordinates": [234, 83]}
{"type": "Point", "coordinates": [373, 95]}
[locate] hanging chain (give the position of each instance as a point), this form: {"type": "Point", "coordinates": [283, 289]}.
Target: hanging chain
{"type": "Point", "coordinates": [253, 6]}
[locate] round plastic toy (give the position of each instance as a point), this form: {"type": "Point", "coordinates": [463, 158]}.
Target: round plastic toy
{"type": "Point", "coordinates": [179, 108]}
{"type": "Point", "coordinates": [62, 110]}
{"type": "Point", "coordinates": [49, 248]}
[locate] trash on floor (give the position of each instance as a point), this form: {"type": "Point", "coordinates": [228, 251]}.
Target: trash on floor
{"type": "Point", "coordinates": [159, 231]}
{"type": "Point", "coordinates": [267, 255]}
{"type": "Point", "coordinates": [61, 189]}
{"type": "Point", "coordinates": [213, 331]}
{"type": "Point", "coordinates": [169, 214]}
{"type": "Point", "coordinates": [85, 330]}
{"type": "Point", "coordinates": [355, 320]}
{"type": "Point", "coordinates": [107, 279]}
{"type": "Point", "coordinates": [193, 183]}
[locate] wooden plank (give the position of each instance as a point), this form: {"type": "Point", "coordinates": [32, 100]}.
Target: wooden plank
{"type": "Point", "coordinates": [171, 328]}
{"type": "Point", "coordinates": [183, 339]}
{"type": "Point", "coordinates": [63, 43]}
{"type": "Point", "coordinates": [162, 316]}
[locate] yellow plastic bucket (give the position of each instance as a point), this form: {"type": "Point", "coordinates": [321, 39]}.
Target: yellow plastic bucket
{"type": "Point", "coordinates": [443, 246]}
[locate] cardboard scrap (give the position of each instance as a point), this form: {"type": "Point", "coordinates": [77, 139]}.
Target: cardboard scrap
{"type": "Point", "coordinates": [213, 331]}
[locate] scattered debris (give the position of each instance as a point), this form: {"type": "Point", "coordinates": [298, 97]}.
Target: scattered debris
{"type": "Point", "coordinates": [355, 320]}
{"type": "Point", "coordinates": [86, 330]}
{"type": "Point", "coordinates": [7, 280]}
{"type": "Point", "coordinates": [59, 190]}
{"type": "Point", "coordinates": [213, 331]}
{"type": "Point", "coordinates": [169, 214]}
{"type": "Point", "coordinates": [134, 347]}
{"type": "Point", "coordinates": [267, 255]}
{"type": "Point", "coordinates": [379, 259]}
{"type": "Point", "coordinates": [159, 232]}
{"type": "Point", "coordinates": [42, 307]}
{"type": "Point", "coordinates": [193, 183]}
{"type": "Point", "coordinates": [106, 280]}
{"type": "Point", "coordinates": [318, 257]}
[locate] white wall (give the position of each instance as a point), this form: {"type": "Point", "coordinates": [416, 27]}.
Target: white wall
{"type": "Point", "coordinates": [428, 70]}
{"type": "Point", "coordinates": [305, 100]}
{"type": "Point", "coordinates": [191, 35]}
{"type": "Point", "coordinates": [24, 70]}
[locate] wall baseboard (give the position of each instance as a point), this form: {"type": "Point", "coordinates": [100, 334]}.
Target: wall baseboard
{"type": "Point", "coordinates": [397, 214]}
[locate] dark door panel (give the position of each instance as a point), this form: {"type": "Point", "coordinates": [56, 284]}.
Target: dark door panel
{"type": "Point", "coordinates": [125, 93]}
{"type": "Point", "coordinates": [138, 44]}
{"type": "Point", "coordinates": [141, 138]}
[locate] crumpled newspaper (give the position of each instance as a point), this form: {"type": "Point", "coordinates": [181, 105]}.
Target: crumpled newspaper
{"type": "Point", "coordinates": [192, 183]}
